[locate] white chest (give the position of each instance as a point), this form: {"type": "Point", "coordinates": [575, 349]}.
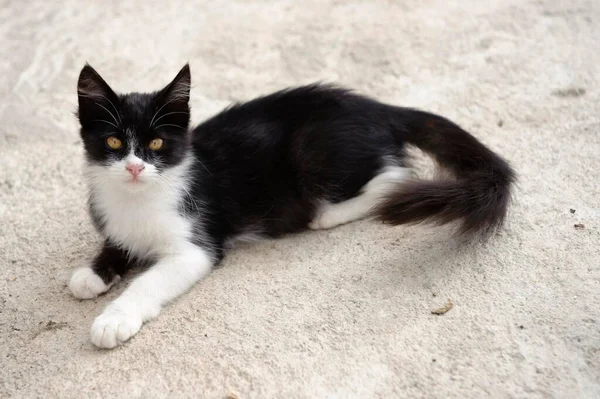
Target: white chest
{"type": "Point", "coordinates": [142, 224]}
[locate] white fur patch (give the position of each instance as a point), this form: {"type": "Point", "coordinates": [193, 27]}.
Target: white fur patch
{"type": "Point", "coordinates": [329, 215]}
{"type": "Point", "coordinates": [85, 284]}
{"type": "Point", "coordinates": [141, 217]}
{"type": "Point", "coordinates": [170, 277]}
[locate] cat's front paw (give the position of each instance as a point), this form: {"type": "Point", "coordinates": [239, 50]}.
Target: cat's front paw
{"type": "Point", "coordinates": [113, 327]}
{"type": "Point", "coordinates": [85, 284]}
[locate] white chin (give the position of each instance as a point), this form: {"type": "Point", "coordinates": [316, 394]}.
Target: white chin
{"type": "Point", "coordinates": [135, 185]}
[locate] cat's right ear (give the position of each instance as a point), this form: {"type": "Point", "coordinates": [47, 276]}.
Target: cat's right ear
{"type": "Point", "coordinates": [178, 91]}
{"type": "Point", "coordinates": [172, 103]}
{"type": "Point", "coordinates": [97, 101]}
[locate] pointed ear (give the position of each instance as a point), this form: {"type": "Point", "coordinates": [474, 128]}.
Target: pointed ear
{"type": "Point", "coordinates": [172, 102]}
{"type": "Point", "coordinates": [179, 88]}
{"type": "Point", "coordinates": [97, 101]}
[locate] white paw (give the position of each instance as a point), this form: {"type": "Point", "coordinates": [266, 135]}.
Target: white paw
{"type": "Point", "coordinates": [113, 327]}
{"type": "Point", "coordinates": [325, 220]}
{"type": "Point", "coordinates": [85, 284]}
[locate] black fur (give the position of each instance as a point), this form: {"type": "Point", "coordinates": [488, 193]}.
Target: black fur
{"type": "Point", "coordinates": [264, 166]}
{"type": "Point", "coordinates": [110, 262]}
{"type": "Point", "coordinates": [272, 159]}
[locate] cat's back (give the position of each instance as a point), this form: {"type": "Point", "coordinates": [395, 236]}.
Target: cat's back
{"type": "Point", "coordinates": [281, 112]}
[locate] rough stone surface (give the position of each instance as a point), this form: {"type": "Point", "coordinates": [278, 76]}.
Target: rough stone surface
{"type": "Point", "coordinates": [340, 313]}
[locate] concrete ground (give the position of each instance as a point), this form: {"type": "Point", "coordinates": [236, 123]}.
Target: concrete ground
{"type": "Point", "coordinates": [341, 313]}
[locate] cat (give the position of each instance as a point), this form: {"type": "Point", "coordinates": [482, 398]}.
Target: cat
{"type": "Point", "coordinates": [171, 199]}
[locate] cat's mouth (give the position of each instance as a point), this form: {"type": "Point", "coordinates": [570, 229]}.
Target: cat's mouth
{"type": "Point", "coordinates": [135, 185]}
{"type": "Point", "coordinates": [136, 181]}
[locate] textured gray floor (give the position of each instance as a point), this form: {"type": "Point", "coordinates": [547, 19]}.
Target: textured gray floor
{"type": "Point", "coordinates": [345, 312]}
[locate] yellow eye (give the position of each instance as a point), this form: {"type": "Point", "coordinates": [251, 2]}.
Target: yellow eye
{"type": "Point", "coordinates": [156, 144]}
{"type": "Point", "coordinates": [114, 143]}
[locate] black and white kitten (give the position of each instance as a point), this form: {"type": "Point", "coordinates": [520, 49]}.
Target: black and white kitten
{"type": "Point", "coordinates": [317, 156]}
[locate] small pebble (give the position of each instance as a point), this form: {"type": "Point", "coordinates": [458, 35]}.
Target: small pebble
{"type": "Point", "coordinates": [444, 309]}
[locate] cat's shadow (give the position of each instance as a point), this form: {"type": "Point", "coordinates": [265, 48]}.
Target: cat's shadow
{"type": "Point", "coordinates": [408, 263]}
{"type": "Point", "coordinates": [427, 255]}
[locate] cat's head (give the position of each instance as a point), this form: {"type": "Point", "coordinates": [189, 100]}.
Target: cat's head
{"type": "Point", "coordinates": [133, 140]}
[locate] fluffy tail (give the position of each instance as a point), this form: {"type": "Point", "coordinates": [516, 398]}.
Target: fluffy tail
{"type": "Point", "coordinates": [479, 195]}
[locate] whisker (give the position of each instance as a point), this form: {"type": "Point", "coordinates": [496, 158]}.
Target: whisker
{"type": "Point", "coordinates": [187, 197]}
{"type": "Point", "coordinates": [98, 95]}
{"type": "Point", "coordinates": [168, 124]}
{"type": "Point", "coordinates": [102, 120]}
{"type": "Point", "coordinates": [182, 94]}
{"type": "Point", "coordinates": [204, 166]}
{"type": "Point", "coordinates": [115, 108]}
{"type": "Point", "coordinates": [110, 113]}
{"type": "Point", "coordinates": [174, 183]}
{"type": "Point", "coordinates": [164, 105]}
{"type": "Point", "coordinates": [167, 114]}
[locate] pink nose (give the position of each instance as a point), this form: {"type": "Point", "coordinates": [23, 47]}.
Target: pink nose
{"type": "Point", "coordinates": [134, 169]}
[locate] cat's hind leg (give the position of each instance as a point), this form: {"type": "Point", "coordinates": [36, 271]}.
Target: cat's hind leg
{"type": "Point", "coordinates": [328, 215]}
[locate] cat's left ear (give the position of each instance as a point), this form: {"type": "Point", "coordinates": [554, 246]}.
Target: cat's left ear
{"type": "Point", "coordinates": [172, 102]}
{"type": "Point", "coordinates": [97, 101]}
